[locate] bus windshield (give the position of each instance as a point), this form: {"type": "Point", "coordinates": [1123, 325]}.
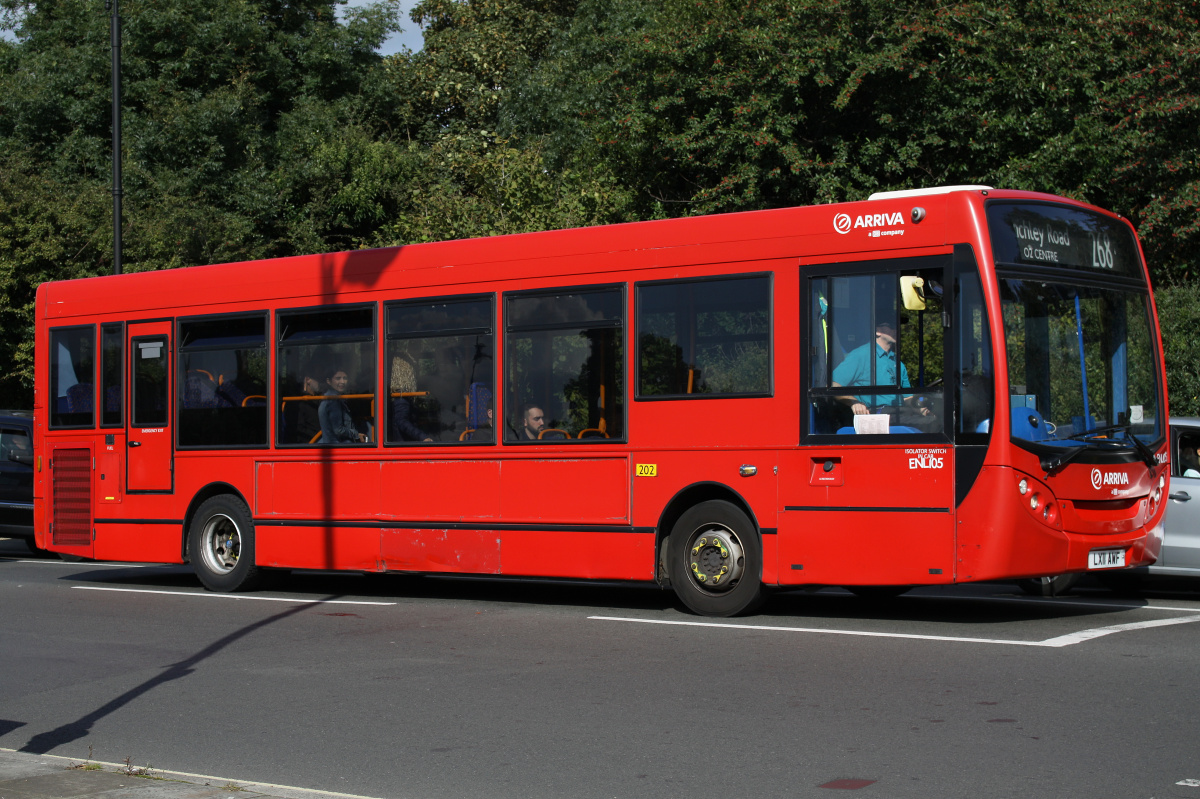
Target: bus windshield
{"type": "Point", "coordinates": [1081, 363]}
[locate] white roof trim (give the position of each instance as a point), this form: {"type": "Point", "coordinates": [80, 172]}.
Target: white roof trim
{"type": "Point", "coordinates": [895, 195]}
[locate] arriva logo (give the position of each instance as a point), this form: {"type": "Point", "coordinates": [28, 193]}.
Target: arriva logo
{"type": "Point", "coordinates": [842, 223]}
{"type": "Point", "coordinates": [1101, 479]}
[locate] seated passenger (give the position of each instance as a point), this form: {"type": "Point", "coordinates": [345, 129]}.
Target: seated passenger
{"type": "Point", "coordinates": [404, 380]}
{"type": "Point", "coordinates": [855, 370]}
{"type": "Point", "coordinates": [535, 422]}
{"type": "Point", "coordinates": [337, 424]}
{"type": "Point", "coordinates": [1189, 459]}
{"type": "Point", "coordinates": [308, 420]}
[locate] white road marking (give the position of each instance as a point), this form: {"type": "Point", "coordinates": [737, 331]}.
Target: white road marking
{"type": "Point", "coordinates": [1059, 641]}
{"type": "Point", "coordinates": [234, 596]}
{"type": "Point", "coordinates": [1062, 602]}
{"type": "Point", "coordinates": [1087, 635]}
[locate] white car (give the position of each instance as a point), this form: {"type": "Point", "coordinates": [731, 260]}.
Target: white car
{"type": "Point", "coordinates": [1180, 555]}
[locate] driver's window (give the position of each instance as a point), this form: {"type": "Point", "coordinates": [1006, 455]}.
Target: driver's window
{"type": "Point", "coordinates": [877, 349]}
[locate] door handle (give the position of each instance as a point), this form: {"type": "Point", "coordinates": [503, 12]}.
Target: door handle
{"type": "Point", "coordinates": [1181, 496]}
{"type": "Point", "coordinates": [135, 443]}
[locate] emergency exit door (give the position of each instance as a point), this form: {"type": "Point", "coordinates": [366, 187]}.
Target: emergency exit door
{"type": "Point", "coordinates": [149, 439]}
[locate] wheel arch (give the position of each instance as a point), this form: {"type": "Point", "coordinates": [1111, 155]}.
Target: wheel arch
{"type": "Point", "coordinates": [687, 497]}
{"type": "Point", "coordinates": [207, 492]}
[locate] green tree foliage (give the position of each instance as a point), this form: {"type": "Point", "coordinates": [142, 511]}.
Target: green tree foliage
{"type": "Point", "coordinates": [462, 178]}
{"type": "Point", "coordinates": [1179, 319]}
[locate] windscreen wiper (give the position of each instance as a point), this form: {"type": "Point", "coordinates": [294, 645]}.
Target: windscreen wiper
{"type": "Point", "coordinates": [1052, 463]}
{"type": "Point", "coordinates": [1144, 452]}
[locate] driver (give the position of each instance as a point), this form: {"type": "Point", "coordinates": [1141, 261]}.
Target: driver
{"type": "Point", "coordinates": [855, 370]}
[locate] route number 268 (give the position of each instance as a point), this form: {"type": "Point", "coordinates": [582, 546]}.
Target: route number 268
{"type": "Point", "coordinates": [1102, 253]}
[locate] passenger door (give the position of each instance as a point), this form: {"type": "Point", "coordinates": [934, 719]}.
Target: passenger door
{"type": "Point", "coordinates": [149, 440]}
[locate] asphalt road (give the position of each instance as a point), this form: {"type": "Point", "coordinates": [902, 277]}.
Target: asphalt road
{"type": "Point", "coordinates": [386, 686]}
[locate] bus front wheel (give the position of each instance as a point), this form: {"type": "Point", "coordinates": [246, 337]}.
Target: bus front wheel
{"type": "Point", "coordinates": [221, 545]}
{"type": "Point", "coordinates": [716, 560]}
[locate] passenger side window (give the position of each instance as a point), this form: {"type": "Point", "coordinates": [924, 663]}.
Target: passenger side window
{"type": "Point", "coordinates": [877, 349]}
{"type": "Point", "coordinates": [112, 375]}
{"type": "Point", "coordinates": [223, 382]}
{"type": "Point", "coordinates": [72, 377]}
{"type": "Point", "coordinates": [440, 371]}
{"type": "Point", "coordinates": [704, 338]}
{"type": "Point", "coordinates": [16, 447]}
{"type": "Point", "coordinates": [326, 376]}
{"type": "Point", "coordinates": [564, 351]}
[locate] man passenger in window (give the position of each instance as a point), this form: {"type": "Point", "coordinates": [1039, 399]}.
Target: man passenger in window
{"type": "Point", "coordinates": [535, 422]}
{"type": "Point", "coordinates": [855, 370]}
{"type": "Point", "coordinates": [308, 420]}
{"type": "Point", "coordinates": [337, 424]}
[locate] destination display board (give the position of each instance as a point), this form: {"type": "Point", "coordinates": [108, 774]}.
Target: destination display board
{"type": "Point", "coordinates": [1043, 234]}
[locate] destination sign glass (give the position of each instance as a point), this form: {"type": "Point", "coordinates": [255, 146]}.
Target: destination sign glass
{"type": "Point", "coordinates": [1042, 234]}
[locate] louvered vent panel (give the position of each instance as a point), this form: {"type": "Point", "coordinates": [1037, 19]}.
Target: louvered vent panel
{"type": "Point", "coordinates": [72, 497]}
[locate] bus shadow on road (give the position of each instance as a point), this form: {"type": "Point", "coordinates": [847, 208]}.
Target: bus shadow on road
{"type": "Point", "coordinates": [987, 603]}
{"type": "Point", "coordinates": [982, 603]}
{"type": "Point", "coordinates": [317, 585]}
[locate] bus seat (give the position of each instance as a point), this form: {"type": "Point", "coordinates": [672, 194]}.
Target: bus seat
{"type": "Point", "coordinates": [199, 390]}
{"type": "Point", "coordinates": [254, 400]}
{"type": "Point", "coordinates": [112, 399]}
{"type": "Point", "coordinates": [1027, 423]}
{"type": "Point", "coordinates": [230, 395]}
{"type": "Point", "coordinates": [79, 398]}
{"type": "Point", "coordinates": [592, 432]}
{"type": "Point", "coordinates": [478, 401]}
{"type": "Point", "coordinates": [553, 433]}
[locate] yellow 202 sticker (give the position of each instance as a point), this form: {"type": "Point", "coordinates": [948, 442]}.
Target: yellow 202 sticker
{"type": "Point", "coordinates": [647, 470]}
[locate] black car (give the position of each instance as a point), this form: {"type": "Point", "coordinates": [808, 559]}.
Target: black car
{"type": "Point", "coordinates": [16, 475]}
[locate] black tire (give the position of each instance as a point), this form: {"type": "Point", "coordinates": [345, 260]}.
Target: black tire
{"type": "Point", "coordinates": [716, 560]}
{"type": "Point", "coordinates": [221, 545]}
{"type": "Point", "coordinates": [878, 593]}
{"type": "Point", "coordinates": [1048, 586]}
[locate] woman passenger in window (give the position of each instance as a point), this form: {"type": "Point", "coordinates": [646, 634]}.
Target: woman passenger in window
{"type": "Point", "coordinates": [404, 381]}
{"type": "Point", "coordinates": [337, 425]}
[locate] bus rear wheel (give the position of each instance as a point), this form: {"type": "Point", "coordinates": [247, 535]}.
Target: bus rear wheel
{"type": "Point", "coordinates": [221, 545]}
{"type": "Point", "coordinates": [716, 560]}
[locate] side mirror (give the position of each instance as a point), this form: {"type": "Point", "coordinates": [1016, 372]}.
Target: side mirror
{"type": "Point", "coordinates": [21, 457]}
